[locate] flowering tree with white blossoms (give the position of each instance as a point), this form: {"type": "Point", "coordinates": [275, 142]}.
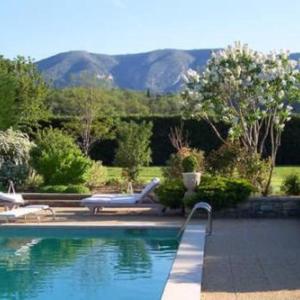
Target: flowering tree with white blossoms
{"type": "Point", "coordinates": [248, 90]}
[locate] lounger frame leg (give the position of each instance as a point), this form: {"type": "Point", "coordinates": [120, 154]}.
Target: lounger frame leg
{"type": "Point", "coordinates": [52, 212]}
{"type": "Point", "coordinates": [95, 210]}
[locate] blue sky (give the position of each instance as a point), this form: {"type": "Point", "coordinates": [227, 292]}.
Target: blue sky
{"type": "Point", "coordinates": [40, 28]}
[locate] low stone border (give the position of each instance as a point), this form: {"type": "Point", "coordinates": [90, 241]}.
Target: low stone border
{"type": "Point", "coordinates": [54, 196]}
{"type": "Point", "coordinates": [255, 207]}
{"type": "Point", "coordinates": [185, 278]}
{"type": "Point", "coordinates": [55, 199]}
{"type": "Point", "coordinates": [273, 206]}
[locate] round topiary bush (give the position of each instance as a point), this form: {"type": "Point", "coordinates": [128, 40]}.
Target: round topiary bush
{"type": "Point", "coordinates": [174, 167]}
{"type": "Point", "coordinates": [190, 164]}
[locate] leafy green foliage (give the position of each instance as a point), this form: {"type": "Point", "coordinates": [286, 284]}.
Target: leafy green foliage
{"type": "Point", "coordinates": [291, 185]}
{"type": "Point", "coordinates": [113, 102]}
{"type": "Point", "coordinates": [33, 182]}
{"type": "Point", "coordinates": [8, 112]}
{"type": "Point", "coordinates": [255, 169]}
{"type": "Point", "coordinates": [77, 189]}
{"type": "Point", "coordinates": [14, 156]}
{"type": "Point", "coordinates": [223, 161]}
{"type": "Point", "coordinates": [220, 192]}
{"type": "Point", "coordinates": [250, 91]}
{"type": "Point", "coordinates": [58, 159]}
{"type": "Point", "coordinates": [88, 123]}
{"type": "Point", "coordinates": [170, 193]}
{"type": "Point", "coordinates": [53, 189]}
{"type": "Point", "coordinates": [97, 175]}
{"type": "Point", "coordinates": [231, 160]}
{"type": "Point", "coordinates": [174, 166]}
{"type": "Point", "coordinates": [22, 93]}
{"type": "Point", "coordinates": [71, 188]}
{"type": "Point", "coordinates": [190, 163]}
{"type": "Point", "coordinates": [133, 150]}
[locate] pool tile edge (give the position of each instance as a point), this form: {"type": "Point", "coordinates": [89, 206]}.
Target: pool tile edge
{"type": "Point", "coordinates": [185, 278]}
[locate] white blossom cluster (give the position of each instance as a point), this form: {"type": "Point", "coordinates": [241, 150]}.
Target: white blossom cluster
{"type": "Point", "coordinates": [240, 82]}
{"type": "Point", "coordinates": [14, 146]}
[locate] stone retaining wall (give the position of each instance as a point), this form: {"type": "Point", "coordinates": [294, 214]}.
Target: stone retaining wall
{"type": "Point", "coordinates": [255, 207]}
{"type": "Point", "coordinates": [273, 206]}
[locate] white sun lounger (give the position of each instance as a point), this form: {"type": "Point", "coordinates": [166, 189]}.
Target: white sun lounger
{"type": "Point", "coordinates": [98, 201]}
{"type": "Point", "coordinates": [23, 212]}
{"type": "Point", "coordinates": [11, 199]}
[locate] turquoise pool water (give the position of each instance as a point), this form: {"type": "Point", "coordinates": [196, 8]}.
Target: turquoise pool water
{"type": "Point", "coordinates": [85, 264]}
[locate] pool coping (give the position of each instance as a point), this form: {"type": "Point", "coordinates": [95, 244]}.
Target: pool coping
{"type": "Point", "coordinates": [185, 278]}
{"type": "Point", "coordinates": [91, 226]}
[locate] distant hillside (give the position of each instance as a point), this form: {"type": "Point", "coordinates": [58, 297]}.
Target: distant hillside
{"type": "Point", "coordinates": [159, 70]}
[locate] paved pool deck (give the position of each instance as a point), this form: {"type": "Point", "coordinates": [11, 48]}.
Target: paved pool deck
{"type": "Point", "coordinates": [252, 259]}
{"type": "Point", "coordinates": [245, 259]}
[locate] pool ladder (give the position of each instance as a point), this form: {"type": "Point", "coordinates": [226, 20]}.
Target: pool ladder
{"type": "Point", "coordinates": [199, 205]}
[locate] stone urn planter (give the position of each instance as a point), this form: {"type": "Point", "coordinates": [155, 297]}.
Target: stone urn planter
{"type": "Point", "coordinates": [191, 176]}
{"type": "Point", "coordinates": [191, 180]}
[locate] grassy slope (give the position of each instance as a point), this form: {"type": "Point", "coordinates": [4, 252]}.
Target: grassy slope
{"type": "Point", "coordinates": [150, 172]}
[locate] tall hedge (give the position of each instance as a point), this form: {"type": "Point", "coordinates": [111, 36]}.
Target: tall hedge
{"type": "Point", "coordinates": [200, 136]}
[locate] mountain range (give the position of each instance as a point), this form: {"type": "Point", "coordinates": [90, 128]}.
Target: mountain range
{"type": "Point", "coordinates": [159, 71]}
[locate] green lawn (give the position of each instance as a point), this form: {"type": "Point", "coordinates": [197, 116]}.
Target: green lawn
{"type": "Point", "coordinates": [148, 173]}
{"type": "Point", "coordinates": [280, 173]}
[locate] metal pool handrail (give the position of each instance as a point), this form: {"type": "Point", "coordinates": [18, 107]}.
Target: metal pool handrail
{"type": "Point", "coordinates": [199, 205]}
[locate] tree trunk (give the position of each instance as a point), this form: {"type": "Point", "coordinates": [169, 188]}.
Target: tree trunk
{"type": "Point", "coordinates": [266, 190]}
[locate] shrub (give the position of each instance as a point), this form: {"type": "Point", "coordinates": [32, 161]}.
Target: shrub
{"type": "Point", "coordinates": [33, 182]}
{"type": "Point", "coordinates": [133, 148]}
{"type": "Point", "coordinates": [117, 184]}
{"type": "Point", "coordinates": [220, 192]}
{"type": "Point", "coordinates": [78, 189]}
{"type": "Point", "coordinates": [97, 175]}
{"type": "Point", "coordinates": [58, 159]}
{"type": "Point", "coordinates": [72, 188]}
{"type": "Point", "coordinates": [14, 157]}
{"type": "Point", "coordinates": [190, 164]}
{"type": "Point", "coordinates": [232, 160]}
{"type": "Point", "coordinates": [174, 167]}
{"type": "Point", "coordinates": [222, 162]}
{"type": "Point", "coordinates": [253, 168]}
{"type": "Point", "coordinates": [291, 185]}
{"type": "Point", "coordinates": [171, 193]}
{"type": "Point", "coordinates": [53, 189]}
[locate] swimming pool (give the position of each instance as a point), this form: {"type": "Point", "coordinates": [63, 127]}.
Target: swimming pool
{"type": "Point", "coordinates": [85, 263]}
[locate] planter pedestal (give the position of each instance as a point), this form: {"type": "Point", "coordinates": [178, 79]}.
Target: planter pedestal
{"type": "Point", "coordinates": [191, 180]}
